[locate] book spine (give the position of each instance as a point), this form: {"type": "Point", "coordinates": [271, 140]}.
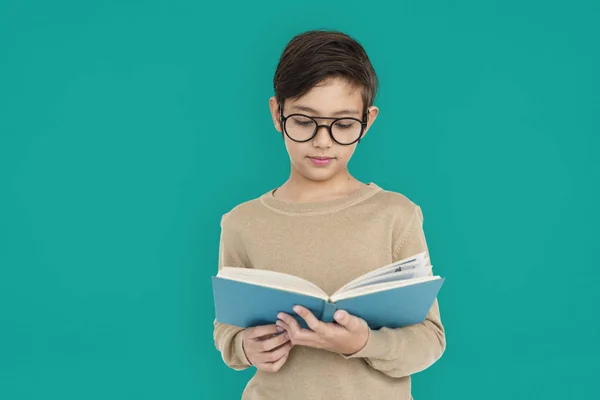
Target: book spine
{"type": "Point", "coordinates": [328, 311]}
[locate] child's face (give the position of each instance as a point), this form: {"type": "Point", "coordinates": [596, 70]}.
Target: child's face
{"type": "Point", "coordinates": [335, 98]}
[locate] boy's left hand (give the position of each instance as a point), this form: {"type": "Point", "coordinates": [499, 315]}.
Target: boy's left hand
{"type": "Point", "coordinates": [347, 336]}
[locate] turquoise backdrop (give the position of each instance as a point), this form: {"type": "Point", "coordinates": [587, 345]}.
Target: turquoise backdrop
{"type": "Point", "coordinates": [128, 128]}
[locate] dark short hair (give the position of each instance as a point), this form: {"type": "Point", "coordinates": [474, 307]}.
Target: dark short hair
{"type": "Point", "coordinates": [314, 56]}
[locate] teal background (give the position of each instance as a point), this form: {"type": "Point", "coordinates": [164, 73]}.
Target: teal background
{"type": "Point", "coordinates": [127, 128]}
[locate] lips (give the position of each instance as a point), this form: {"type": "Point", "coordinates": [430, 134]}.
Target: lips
{"type": "Point", "coordinates": [321, 161]}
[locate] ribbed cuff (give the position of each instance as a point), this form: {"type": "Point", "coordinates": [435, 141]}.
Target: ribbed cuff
{"type": "Point", "coordinates": [239, 349]}
{"type": "Point", "coordinates": [376, 346]}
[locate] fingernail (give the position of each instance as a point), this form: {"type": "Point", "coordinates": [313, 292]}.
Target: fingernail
{"type": "Point", "coordinates": [279, 329]}
{"type": "Point", "coordinates": [297, 309]}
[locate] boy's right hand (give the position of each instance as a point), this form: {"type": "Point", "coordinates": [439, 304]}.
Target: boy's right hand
{"type": "Point", "coordinates": [266, 347]}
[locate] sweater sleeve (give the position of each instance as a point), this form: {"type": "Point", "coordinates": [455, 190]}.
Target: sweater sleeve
{"type": "Point", "coordinates": [405, 351]}
{"type": "Point", "coordinates": [228, 338]}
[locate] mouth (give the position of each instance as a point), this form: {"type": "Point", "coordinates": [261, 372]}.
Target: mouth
{"type": "Point", "coordinates": [321, 161]}
{"type": "Point", "coordinates": [321, 158]}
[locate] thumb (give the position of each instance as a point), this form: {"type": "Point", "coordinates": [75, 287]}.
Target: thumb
{"type": "Point", "coordinates": [348, 321]}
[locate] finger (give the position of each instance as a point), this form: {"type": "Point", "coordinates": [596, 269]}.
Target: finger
{"type": "Point", "coordinates": [263, 330]}
{"type": "Point", "coordinates": [286, 328]}
{"type": "Point", "coordinates": [282, 325]}
{"type": "Point", "coordinates": [270, 344]}
{"type": "Point", "coordinates": [348, 321]}
{"type": "Point", "coordinates": [275, 366]}
{"type": "Point", "coordinates": [273, 356]}
{"type": "Point", "coordinates": [292, 324]}
{"type": "Point", "coordinates": [293, 328]}
{"type": "Point", "coordinates": [298, 335]}
{"type": "Point", "coordinates": [312, 321]}
{"type": "Point", "coordinates": [279, 363]}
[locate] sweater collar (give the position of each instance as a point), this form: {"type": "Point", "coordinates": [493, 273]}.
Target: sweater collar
{"type": "Point", "coordinates": [323, 207]}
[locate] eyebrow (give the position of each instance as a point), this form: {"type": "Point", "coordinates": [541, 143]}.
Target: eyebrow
{"type": "Point", "coordinates": [347, 111]}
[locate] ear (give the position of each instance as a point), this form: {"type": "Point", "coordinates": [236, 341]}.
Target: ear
{"type": "Point", "coordinates": [275, 113]}
{"type": "Point", "coordinates": [372, 114]}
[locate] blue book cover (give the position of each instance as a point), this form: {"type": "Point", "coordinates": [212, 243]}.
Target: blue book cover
{"type": "Point", "coordinates": [393, 296]}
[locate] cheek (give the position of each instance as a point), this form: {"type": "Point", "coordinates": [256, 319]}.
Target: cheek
{"type": "Point", "coordinates": [295, 150]}
{"type": "Point", "coordinates": [346, 153]}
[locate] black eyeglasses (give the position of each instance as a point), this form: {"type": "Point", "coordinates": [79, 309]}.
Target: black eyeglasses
{"type": "Point", "coordinates": [302, 128]}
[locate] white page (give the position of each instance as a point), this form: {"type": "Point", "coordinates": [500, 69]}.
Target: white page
{"type": "Point", "coordinates": [415, 261]}
{"type": "Point", "coordinates": [361, 291]}
{"type": "Point", "coordinates": [272, 279]}
{"type": "Point", "coordinates": [391, 276]}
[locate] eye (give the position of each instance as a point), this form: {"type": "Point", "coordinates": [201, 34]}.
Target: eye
{"type": "Point", "coordinates": [302, 121]}
{"type": "Point", "coordinates": [345, 124]}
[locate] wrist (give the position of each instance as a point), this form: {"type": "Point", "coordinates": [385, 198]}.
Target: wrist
{"type": "Point", "coordinates": [366, 333]}
{"type": "Point", "coordinates": [361, 342]}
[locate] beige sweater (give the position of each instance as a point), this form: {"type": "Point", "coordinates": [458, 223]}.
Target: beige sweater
{"type": "Point", "coordinates": [331, 243]}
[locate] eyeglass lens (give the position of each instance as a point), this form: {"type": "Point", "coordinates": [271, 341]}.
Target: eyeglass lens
{"type": "Point", "coordinates": [302, 128]}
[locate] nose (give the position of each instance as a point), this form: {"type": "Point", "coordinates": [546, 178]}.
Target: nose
{"type": "Point", "coordinates": [322, 139]}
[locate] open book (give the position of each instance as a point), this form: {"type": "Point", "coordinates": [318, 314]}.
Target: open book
{"type": "Point", "coordinates": [394, 295]}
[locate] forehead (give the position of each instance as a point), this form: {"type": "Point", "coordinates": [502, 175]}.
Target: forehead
{"type": "Point", "coordinates": [330, 97]}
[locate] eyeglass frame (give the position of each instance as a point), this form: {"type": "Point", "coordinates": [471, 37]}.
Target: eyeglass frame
{"type": "Point", "coordinates": [363, 124]}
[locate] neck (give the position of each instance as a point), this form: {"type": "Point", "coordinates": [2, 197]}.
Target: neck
{"type": "Point", "coordinates": [303, 190]}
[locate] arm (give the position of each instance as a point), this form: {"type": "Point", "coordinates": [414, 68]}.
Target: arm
{"type": "Point", "coordinates": [260, 346]}
{"type": "Point", "coordinates": [228, 338]}
{"type": "Point", "coordinates": [405, 351]}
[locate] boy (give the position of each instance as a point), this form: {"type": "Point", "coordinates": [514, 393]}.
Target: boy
{"type": "Point", "coordinates": [324, 225]}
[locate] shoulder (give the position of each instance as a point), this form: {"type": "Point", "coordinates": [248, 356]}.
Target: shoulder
{"type": "Point", "coordinates": [243, 214]}
{"type": "Point", "coordinates": [397, 205]}
{"type": "Point", "coordinates": [403, 215]}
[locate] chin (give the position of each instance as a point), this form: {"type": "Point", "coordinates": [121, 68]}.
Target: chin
{"type": "Point", "coordinates": [318, 175]}
{"type": "Point", "coordinates": [315, 173]}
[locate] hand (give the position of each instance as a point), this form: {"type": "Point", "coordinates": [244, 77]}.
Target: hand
{"type": "Point", "coordinates": [347, 336]}
{"type": "Point", "coordinates": [266, 347]}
